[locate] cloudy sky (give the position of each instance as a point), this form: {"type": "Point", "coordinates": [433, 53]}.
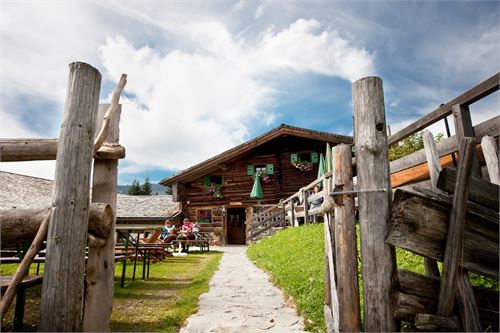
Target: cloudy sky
{"type": "Point", "coordinates": [204, 76]}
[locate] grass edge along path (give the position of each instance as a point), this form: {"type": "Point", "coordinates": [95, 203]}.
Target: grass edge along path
{"type": "Point", "coordinates": [295, 259]}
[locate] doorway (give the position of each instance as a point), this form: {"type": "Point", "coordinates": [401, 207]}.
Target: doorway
{"type": "Point", "coordinates": [236, 225]}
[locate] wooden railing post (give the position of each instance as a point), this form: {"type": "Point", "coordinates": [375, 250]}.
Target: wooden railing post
{"type": "Point", "coordinates": [463, 129]}
{"type": "Point", "coordinates": [101, 263]}
{"type": "Point", "coordinates": [346, 265]}
{"type": "Point", "coordinates": [306, 208]}
{"type": "Point", "coordinates": [63, 283]}
{"type": "Point", "coordinates": [378, 258]}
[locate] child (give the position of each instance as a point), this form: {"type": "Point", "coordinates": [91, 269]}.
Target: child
{"type": "Point", "coordinates": [169, 232]}
{"type": "Point", "coordinates": [187, 233]}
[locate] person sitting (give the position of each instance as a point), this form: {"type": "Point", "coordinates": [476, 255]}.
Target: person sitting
{"type": "Point", "coordinates": [169, 232]}
{"type": "Point", "coordinates": [319, 201]}
{"type": "Point", "coordinates": [186, 233]}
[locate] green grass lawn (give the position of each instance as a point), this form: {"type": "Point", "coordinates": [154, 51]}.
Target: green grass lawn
{"type": "Point", "coordinates": [295, 259]}
{"type": "Point", "coordinates": [161, 303]}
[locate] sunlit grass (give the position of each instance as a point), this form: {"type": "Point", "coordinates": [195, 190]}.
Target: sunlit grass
{"type": "Point", "coordinates": [162, 303]}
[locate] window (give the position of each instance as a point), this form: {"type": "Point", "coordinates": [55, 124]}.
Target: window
{"type": "Point", "coordinates": [260, 169]}
{"type": "Point", "coordinates": [217, 180]}
{"type": "Point", "coordinates": [204, 215]}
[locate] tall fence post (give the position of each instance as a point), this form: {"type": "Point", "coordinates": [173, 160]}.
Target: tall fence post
{"type": "Point", "coordinates": [63, 282]}
{"type": "Point", "coordinates": [101, 262]}
{"type": "Point", "coordinates": [346, 265]}
{"type": "Point", "coordinates": [372, 165]}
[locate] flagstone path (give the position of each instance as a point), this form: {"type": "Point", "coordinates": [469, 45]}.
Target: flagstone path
{"type": "Point", "coordinates": [241, 299]}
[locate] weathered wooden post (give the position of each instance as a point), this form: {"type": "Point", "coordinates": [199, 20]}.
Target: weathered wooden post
{"type": "Point", "coordinates": [434, 165]}
{"type": "Point", "coordinates": [101, 263]}
{"type": "Point", "coordinates": [345, 243]}
{"type": "Point", "coordinates": [372, 165]}
{"type": "Point", "coordinates": [331, 310]}
{"type": "Point", "coordinates": [63, 283]}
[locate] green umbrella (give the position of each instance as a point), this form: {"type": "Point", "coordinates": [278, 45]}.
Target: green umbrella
{"type": "Point", "coordinates": [257, 189]}
{"type": "Point", "coordinates": [321, 168]}
{"type": "Point", "coordinates": [328, 158]}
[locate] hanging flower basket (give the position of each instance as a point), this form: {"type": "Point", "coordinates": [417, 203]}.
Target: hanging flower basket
{"type": "Point", "coordinates": [304, 166]}
{"type": "Point", "coordinates": [215, 190]}
{"type": "Point", "coordinates": [266, 179]}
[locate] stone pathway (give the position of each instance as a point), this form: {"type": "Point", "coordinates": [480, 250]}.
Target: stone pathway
{"type": "Point", "coordinates": [241, 299]}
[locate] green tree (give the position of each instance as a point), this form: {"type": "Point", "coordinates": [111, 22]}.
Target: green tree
{"type": "Point", "coordinates": [168, 190]}
{"type": "Point", "coordinates": [409, 145]}
{"type": "Point", "coordinates": [135, 188]}
{"type": "Point", "coordinates": [146, 187]}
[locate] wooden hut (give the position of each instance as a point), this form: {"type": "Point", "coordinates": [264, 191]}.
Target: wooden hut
{"type": "Point", "coordinates": [216, 192]}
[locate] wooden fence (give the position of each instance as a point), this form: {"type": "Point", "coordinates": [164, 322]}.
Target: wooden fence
{"type": "Point", "coordinates": [454, 220]}
{"type": "Point", "coordinates": [76, 295]}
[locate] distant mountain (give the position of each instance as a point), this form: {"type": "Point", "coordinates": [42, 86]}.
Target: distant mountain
{"type": "Point", "coordinates": [156, 189]}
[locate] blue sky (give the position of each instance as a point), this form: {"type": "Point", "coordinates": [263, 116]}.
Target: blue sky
{"type": "Point", "coordinates": [206, 76]}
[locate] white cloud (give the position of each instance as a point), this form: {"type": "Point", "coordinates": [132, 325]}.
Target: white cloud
{"type": "Point", "coordinates": [201, 103]}
{"type": "Point", "coordinates": [258, 12]}
{"type": "Point", "coordinates": [13, 128]}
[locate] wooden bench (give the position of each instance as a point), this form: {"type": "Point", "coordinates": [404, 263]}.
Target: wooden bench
{"type": "Point", "coordinates": [28, 282]}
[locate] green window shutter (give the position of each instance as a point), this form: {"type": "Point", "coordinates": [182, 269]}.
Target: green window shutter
{"type": "Point", "coordinates": [294, 157]}
{"type": "Point", "coordinates": [222, 180]}
{"type": "Point", "coordinates": [270, 169]}
{"type": "Point", "coordinates": [250, 170]}
{"type": "Point", "coordinates": [314, 157]}
{"type": "Point", "coordinates": [206, 180]}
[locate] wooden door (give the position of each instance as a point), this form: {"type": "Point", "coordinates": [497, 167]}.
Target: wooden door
{"type": "Point", "coordinates": [236, 225]}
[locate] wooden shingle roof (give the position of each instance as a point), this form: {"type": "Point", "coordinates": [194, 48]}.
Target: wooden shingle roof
{"type": "Point", "coordinates": [19, 191]}
{"type": "Point", "coordinates": [207, 166]}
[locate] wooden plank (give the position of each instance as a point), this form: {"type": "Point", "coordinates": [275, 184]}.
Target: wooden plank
{"type": "Point", "coordinates": [434, 166]}
{"type": "Point", "coordinates": [378, 257]}
{"type": "Point", "coordinates": [432, 323]}
{"type": "Point", "coordinates": [330, 278]}
{"type": "Point", "coordinates": [490, 153]}
{"type": "Point", "coordinates": [474, 94]}
{"type": "Point", "coordinates": [480, 190]}
{"type": "Point", "coordinates": [12, 150]}
{"type": "Point", "coordinates": [346, 265]}
{"type": "Point", "coordinates": [467, 306]}
{"type": "Point", "coordinates": [455, 240]}
{"type": "Point", "coordinates": [420, 295]}
{"type": "Point", "coordinates": [63, 285]}
{"type": "Point", "coordinates": [463, 129]}
{"type": "Point", "coordinates": [101, 262]}
{"type": "Point", "coordinates": [420, 223]}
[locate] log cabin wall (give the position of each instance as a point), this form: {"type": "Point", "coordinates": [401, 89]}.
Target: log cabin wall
{"type": "Point", "coordinates": [199, 205]}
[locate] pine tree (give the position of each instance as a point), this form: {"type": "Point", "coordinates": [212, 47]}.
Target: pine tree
{"type": "Point", "coordinates": [168, 190]}
{"type": "Point", "coordinates": [146, 187]}
{"type": "Point", "coordinates": [135, 188]}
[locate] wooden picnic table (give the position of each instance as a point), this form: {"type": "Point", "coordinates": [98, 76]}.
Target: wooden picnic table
{"type": "Point", "coordinates": [130, 238]}
{"type": "Point", "coordinates": [28, 282]}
